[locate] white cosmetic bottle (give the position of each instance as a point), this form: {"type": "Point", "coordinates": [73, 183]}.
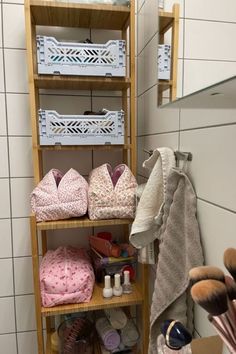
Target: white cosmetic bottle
{"type": "Point", "coordinates": [107, 290]}
{"type": "Point", "coordinates": [117, 289]}
{"type": "Point", "coordinates": [127, 287]}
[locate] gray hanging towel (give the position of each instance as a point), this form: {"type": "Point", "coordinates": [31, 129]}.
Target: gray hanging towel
{"type": "Point", "coordinates": [179, 251]}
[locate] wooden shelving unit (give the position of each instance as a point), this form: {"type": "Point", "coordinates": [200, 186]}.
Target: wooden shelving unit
{"type": "Point", "coordinates": [169, 21]}
{"type": "Point", "coordinates": [52, 13]}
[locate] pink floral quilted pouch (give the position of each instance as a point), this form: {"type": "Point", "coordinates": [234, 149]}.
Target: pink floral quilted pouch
{"type": "Point", "coordinates": [111, 194]}
{"type": "Point", "coordinates": [66, 277]}
{"type": "Point", "coordinates": [60, 197]}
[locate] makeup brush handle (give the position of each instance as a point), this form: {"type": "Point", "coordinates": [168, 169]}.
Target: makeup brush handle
{"type": "Point", "coordinates": [222, 334]}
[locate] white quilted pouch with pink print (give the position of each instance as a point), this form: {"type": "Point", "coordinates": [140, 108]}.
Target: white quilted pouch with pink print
{"type": "Point", "coordinates": [60, 197]}
{"type": "Point", "coordinates": [111, 194]}
{"type": "Point", "coordinates": [66, 277]}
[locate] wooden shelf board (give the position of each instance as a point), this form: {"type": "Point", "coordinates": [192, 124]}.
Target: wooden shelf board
{"type": "Point", "coordinates": [81, 82]}
{"type": "Point", "coordinates": [66, 14]}
{"type": "Point", "coordinates": [166, 20]}
{"type": "Point", "coordinates": [164, 85]}
{"type": "Point", "coordinates": [98, 302]}
{"type": "Point", "coordinates": [84, 147]}
{"type": "Point", "coordinates": [83, 221]}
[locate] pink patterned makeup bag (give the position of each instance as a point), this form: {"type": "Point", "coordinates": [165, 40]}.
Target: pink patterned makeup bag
{"type": "Point", "coordinates": [60, 197]}
{"type": "Point", "coordinates": [66, 277]}
{"type": "Point", "coordinates": [111, 194]}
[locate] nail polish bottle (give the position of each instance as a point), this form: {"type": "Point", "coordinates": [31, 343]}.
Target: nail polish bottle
{"type": "Point", "coordinates": [107, 290]}
{"type": "Point", "coordinates": [117, 288]}
{"type": "Point", "coordinates": [127, 287]}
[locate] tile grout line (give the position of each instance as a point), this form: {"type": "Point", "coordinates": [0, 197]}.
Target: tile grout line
{"type": "Point", "coordinates": [9, 184]}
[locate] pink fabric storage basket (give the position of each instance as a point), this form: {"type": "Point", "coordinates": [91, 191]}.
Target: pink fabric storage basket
{"type": "Point", "coordinates": [111, 194]}
{"type": "Point", "coordinates": [66, 277]}
{"type": "Point", "coordinates": [60, 197]}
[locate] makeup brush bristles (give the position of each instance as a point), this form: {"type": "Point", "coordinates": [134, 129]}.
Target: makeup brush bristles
{"type": "Point", "coordinates": [231, 290]}
{"type": "Point", "coordinates": [211, 295]}
{"type": "Point", "coordinates": [230, 261]}
{"type": "Point", "coordinates": [206, 272]}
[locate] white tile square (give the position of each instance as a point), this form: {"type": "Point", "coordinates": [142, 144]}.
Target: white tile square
{"type": "Point", "coordinates": [21, 161]}
{"type": "Point", "coordinates": [140, 4]}
{"type": "Point", "coordinates": [21, 237]}
{"type": "Point", "coordinates": [21, 189]}
{"type": "Point", "coordinates": [18, 114]}
{"type": "Point", "coordinates": [25, 313]}
{"type": "Point", "coordinates": [13, 1]}
{"type": "Point", "coordinates": [23, 271]}
{"type": "Point", "coordinates": [16, 71]}
{"type": "Point", "coordinates": [4, 192]}
{"type": "Point", "coordinates": [3, 129]}
{"type": "Point", "coordinates": [5, 238]}
{"type": "Point", "coordinates": [103, 36]}
{"type": "Point", "coordinates": [201, 73]}
{"type": "Point", "coordinates": [148, 24]}
{"type": "Point", "coordinates": [211, 10]}
{"type": "Point", "coordinates": [147, 66]}
{"type": "Point", "coordinates": [212, 169]}
{"type": "Point", "coordinates": [27, 343]}
{"type": "Point", "coordinates": [4, 170]}
{"type": "Point", "coordinates": [197, 118]}
{"type": "Point", "coordinates": [7, 318]}
{"type": "Point", "coordinates": [6, 277]}
{"type": "Point", "coordinates": [64, 34]}
{"type": "Point", "coordinates": [14, 26]}
{"type": "Point", "coordinates": [81, 161]}
{"type": "Point", "coordinates": [2, 88]}
{"type": "Point", "coordinates": [8, 343]}
{"type": "Point", "coordinates": [152, 120]}
{"type": "Point", "coordinates": [66, 104]}
{"type": "Point", "coordinates": [198, 35]}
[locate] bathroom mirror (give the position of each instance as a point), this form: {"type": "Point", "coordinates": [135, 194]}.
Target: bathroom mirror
{"type": "Point", "coordinates": [206, 54]}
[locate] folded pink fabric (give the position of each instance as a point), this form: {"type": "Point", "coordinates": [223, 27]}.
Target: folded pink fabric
{"type": "Point", "coordinates": [60, 197]}
{"type": "Point", "coordinates": [111, 194]}
{"type": "Point", "coordinates": [66, 277]}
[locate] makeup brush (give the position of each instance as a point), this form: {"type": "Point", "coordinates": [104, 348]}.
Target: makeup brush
{"type": "Point", "coordinates": [230, 261]}
{"type": "Point", "coordinates": [224, 336]}
{"type": "Point", "coordinates": [212, 296]}
{"type": "Point", "coordinates": [206, 272]}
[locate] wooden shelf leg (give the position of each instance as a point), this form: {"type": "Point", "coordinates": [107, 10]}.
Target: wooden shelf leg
{"type": "Point", "coordinates": [35, 261]}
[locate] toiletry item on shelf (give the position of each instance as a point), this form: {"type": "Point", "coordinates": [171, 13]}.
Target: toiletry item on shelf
{"type": "Point", "coordinates": [105, 247]}
{"type": "Point", "coordinates": [164, 61]}
{"type": "Point", "coordinates": [105, 235]}
{"type": "Point", "coordinates": [129, 334]}
{"type": "Point", "coordinates": [76, 336]}
{"type": "Point", "coordinates": [127, 287]}
{"type": "Point", "coordinates": [66, 276]}
{"type": "Point", "coordinates": [117, 288]}
{"type": "Point", "coordinates": [131, 251]}
{"type": "Point", "coordinates": [175, 338]}
{"type": "Point", "coordinates": [116, 317]}
{"type": "Point", "coordinates": [55, 342]}
{"type": "Point", "coordinates": [109, 336]}
{"type": "Point", "coordinates": [107, 290]}
{"type": "Point", "coordinates": [59, 196]}
{"type": "Point", "coordinates": [111, 265]}
{"type": "Point", "coordinates": [111, 193]}
{"type": "Point", "coordinates": [161, 4]}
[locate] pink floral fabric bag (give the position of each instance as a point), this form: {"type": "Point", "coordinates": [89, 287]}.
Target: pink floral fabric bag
{"type": "Point", "coordinates": [60, 197]}
{"type": "Point", "coordinates": [111, 194]}
{"type": "Point", "coordinates": [66, 277]}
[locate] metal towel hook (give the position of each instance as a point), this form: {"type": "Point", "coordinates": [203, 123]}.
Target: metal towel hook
{"type": "Point", "coordinates": [179, 155]}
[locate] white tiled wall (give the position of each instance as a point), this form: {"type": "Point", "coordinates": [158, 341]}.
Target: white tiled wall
{"type": "Point", "coordinates": [206, 55]}
{"type": "Point", "coordinates": [17, 316]}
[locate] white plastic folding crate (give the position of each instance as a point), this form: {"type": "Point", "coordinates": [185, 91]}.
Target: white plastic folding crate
{"type": "Point", "coordinates": [87, 59]}
{"type": "Point", "coordinates": [56, 129]}
{"type": "Point", "coordinates": [164, 61]}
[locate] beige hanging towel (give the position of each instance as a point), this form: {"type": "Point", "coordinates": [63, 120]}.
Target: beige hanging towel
{"type": "Point", "coordinates": [148, 218]}
{"type": "Point", "coordinates": [179, 251]}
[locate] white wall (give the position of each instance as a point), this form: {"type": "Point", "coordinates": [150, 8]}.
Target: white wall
{"type": "Point", "coordinates": [206, 55]}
